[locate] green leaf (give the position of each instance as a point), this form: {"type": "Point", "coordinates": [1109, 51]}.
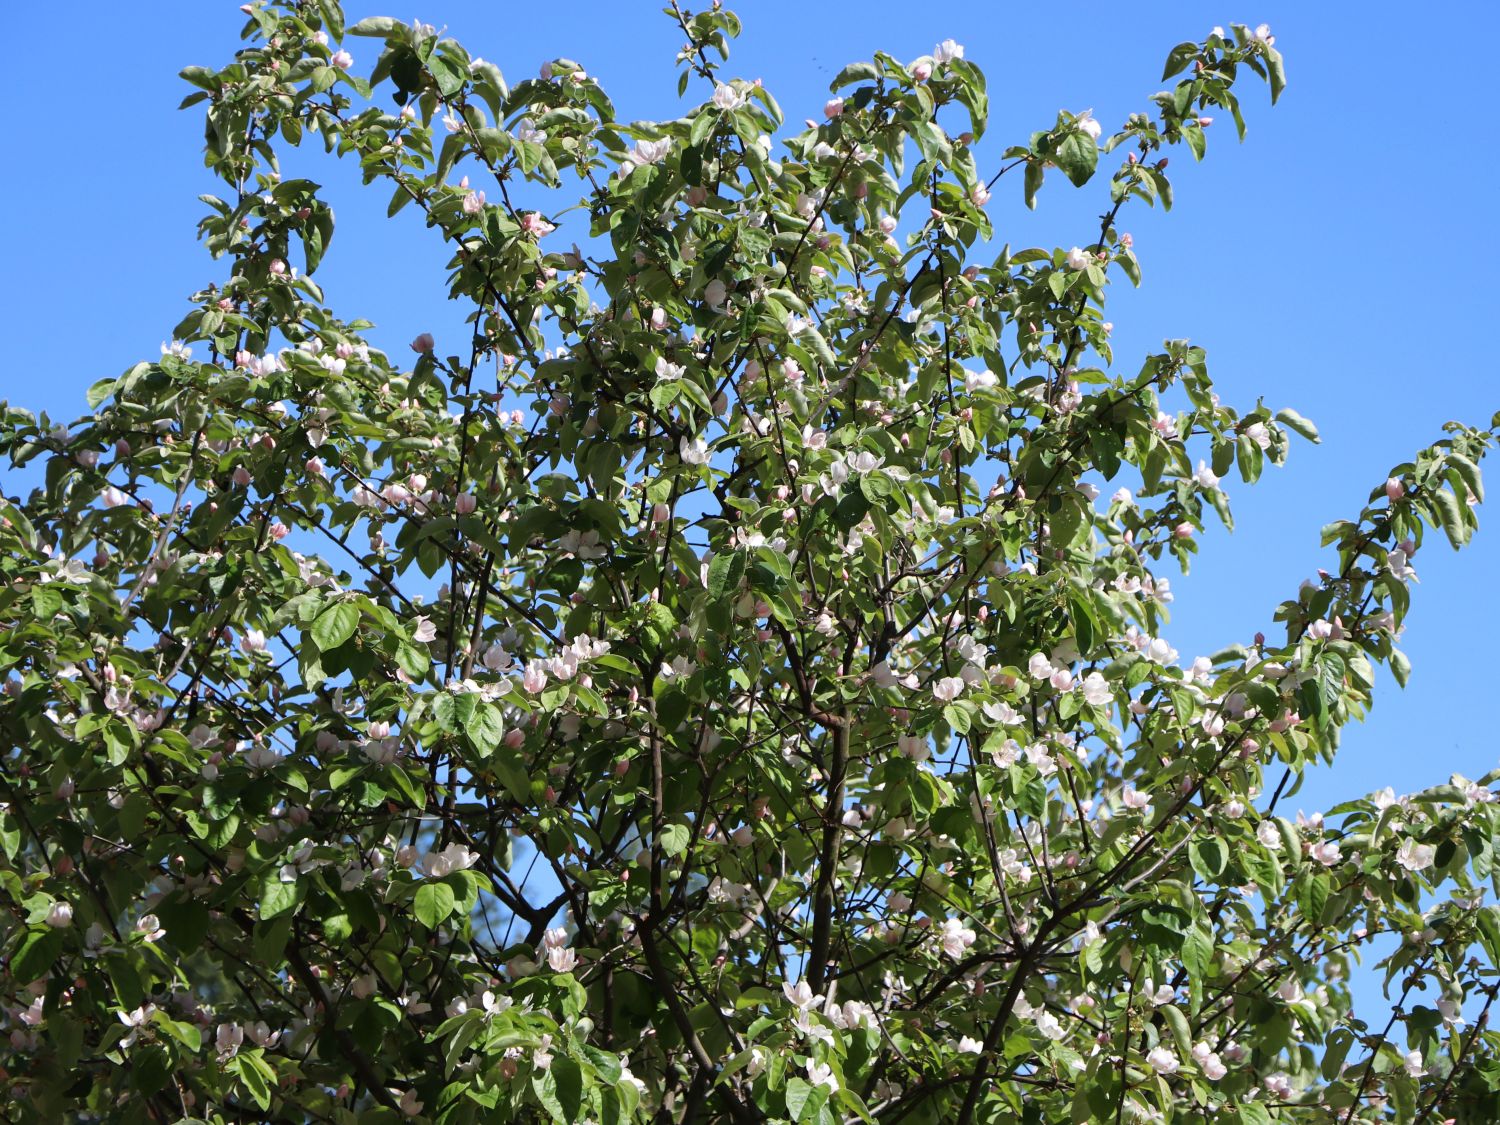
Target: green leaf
{"type": "Point", "coordinates": [1034, 173]}
{"type": "Point", "coordinates": [1276, 70]}
{"type": "Point", "coordinates": [35, 955]}
{"type": "Point", "coordinates": [100, 391]}
{"type": "Point", "coordinates": [252, 1079]}
{"type": "Point", "coordinates": [1077, 156]}
{"type": "Point", "coordinates": [333, 18]}
{"type": "Point", "coordinates": [276, 897]}
{"type": "Point", "coordinates": [1450, 516]}
{"type": "Point", "coordinates": [1294, 421]}
{"type": "Point", "coordinates": [1178, 1025]}
{"type": "Point", "coordinates": [1312, 894]}
{"type": "Point", "coordinates": [1468, 472]}
{"type": "Point", "coordinates": [876, 486]}
{"type": "Point", "coordinates": [1198, 952]}
{"type": "Point", "coordinates": [1208, 857]}
{"type": "Point", "coordinates": [375, 27]}
{"type": "Point", "coordinates": [335, 625]}
{"type": "Point", "coordinates": [413, 660]}
{"type": "Point", "coordinates": [855, 72]}
{"type": "Point", "coordinates": [1335, 1051]}
{"type": "Point", "coordinates": [1400, 666]}
{"type": "Point", "coordinates": [674, 839]}
{"type": "Point", "coordinates": [724, 574]}
{"type": "Point", "coordinates": [804, 1100]}
{"type": "Point", "coordinates": [449, 74]}
{"type": "Point", "coordinates": [1179, 58]}
{"type": "Point", "coordinates": [567, 1076]}
{"type": "Point", "coordinates": [485, 728]}
{"type": "Point", "coordinates": [453, 148]}
{"type": "Point", "coordinates": [433, 904]}
{"type": "Point", "coordinates": [957, 718]}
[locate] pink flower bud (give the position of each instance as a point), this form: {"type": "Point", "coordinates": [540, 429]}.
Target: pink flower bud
{"type": "Point", "coordinates": [343, 60]}
{"type": "Point", "coordinates": [1394, 489]}
{"type": "Point", "coordinates": [833, 107]}
{"type": "Point", "coordinates": [1183, 530]}
{"type": "Point", "coordinates": [241, 476]}
{"type": "Point", "coordinates": [465, 503]}
{"type": "Point", "coordinates": [423, 344]}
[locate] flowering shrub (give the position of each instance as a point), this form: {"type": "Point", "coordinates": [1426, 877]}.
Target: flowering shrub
{"type": "Point", "coordinates": [719, 688]}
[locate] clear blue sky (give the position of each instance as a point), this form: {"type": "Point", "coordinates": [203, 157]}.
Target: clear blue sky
{"type": "Point", "coordinates": [1340, 261]}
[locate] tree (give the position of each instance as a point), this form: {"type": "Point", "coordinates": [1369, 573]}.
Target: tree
{"type": "Point", "coordinates": [716, 691]}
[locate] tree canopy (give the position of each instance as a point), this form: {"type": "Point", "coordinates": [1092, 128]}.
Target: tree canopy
{"type": "Point", "coordinates": [733, 683]}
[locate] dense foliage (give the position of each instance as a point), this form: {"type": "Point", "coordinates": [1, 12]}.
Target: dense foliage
{"type": "Point", "coordinates": [718, 689]}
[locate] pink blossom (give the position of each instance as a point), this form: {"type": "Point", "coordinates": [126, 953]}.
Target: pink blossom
{"type": "Point", "coordinates": [533, 224]}
{"type": "Point", "coordinates": [1325, 852]}
{"type": "Point", "coordinates": [833, 107]}
{"type": "Point", "coordinates": [948, 689]}
{"type": "Point", "coordinates": [954, 937]}
{"type": "Point", "coordinates": [1096, 689]}
{"type": "Point", "coordinates": [947, 51]}
{"type": "Point", "coordinates": [800, 994]}
{"type": "Point", "coordinates": [534, 678]}
{"type": "Point", "coordinates": [1414, 856]}
{"type": "Point", "coordinates": [1278, 1085]}
{"type": "Point", "coordinates": [423, 344]}
{"type": "Point", "coordinates": [1209, 1062]}
{"type": "Point", "coordinates": [1398, 561]}
{"type": "Point", "coordinates": [1163, 1061]}
{"type": "Point", "coordinates": [343, 60]}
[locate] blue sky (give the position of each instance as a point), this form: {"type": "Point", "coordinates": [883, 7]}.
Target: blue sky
{"type": "Point", "coordinates": [1337, 262]}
